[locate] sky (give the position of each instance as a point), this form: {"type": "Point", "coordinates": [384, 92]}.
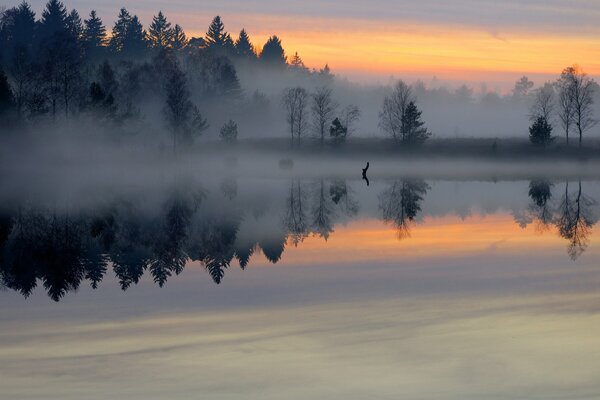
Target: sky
{"type": "Point", "coordinates": [459, 41]}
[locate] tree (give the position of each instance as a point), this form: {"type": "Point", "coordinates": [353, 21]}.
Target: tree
{"type": "Point", "coordinates": [543, 104]}
{"type": "Point", "coordinates": [565, 101]}
{"type": "Point", "coordinates": [178, 38]}
{"type": "Point", "coordinates": [18, 27]}
{"type": "Point", "coordinates": [75, 26]}
{"type": "Point", "coordinates": [53, 22]}
{"type": "Point", "coordinates": [349, 117]}
{"type": "Point", "coordinates": [272, 53]}
{"type": "Point", "coordinates": [401, 202]}
{"type": "Point", "coordinates": [21, 71]}
{"type": "Point", "coordinates": [323, 108]}
{"type": "Point", "coordinates": [337, 131]}
{"type": "Point", "coordinates": [522, 88]}
{"type": "Point", "coordinates": [229, 132]}
{"type": "Point", "coordinates": [296, 64]}
{"type": "Point", "coordinates": [294, 101]}
{"type": "Point", "coordinates": [94, 35]}
{"type": "Point", "coordinates": [160, 34]}
{"type": "Point", "coordinates": [415, 133]}
{"type": "Point", "coordinates": [243, 47]}
{"type": "Point", "coordinates": [540, 132]}
{"type": "Point", "coordinates": [216, 37]}
{"type": "Point", "coordinates": [7, 101]}
{"type": "Point", "coordinates": [391, 118]}
{"type": "Point", "coordinates": [580, 88]}
{"type": "Point", "coordinates": [182, 115]}
{"type": "Point", "coordinates": [100, 104]}
{"type": "Point", "coordinates": [119, 31]}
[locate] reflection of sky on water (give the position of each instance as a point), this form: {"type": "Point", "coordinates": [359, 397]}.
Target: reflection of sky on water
{"type": "Point", "coordinates": [469, 305]}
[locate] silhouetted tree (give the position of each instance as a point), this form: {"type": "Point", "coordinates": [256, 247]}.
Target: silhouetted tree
{"type": "Point", "coordinates": [337, 131]}
{"type": "Point", "coordinates": [18, 26]}
{"type": "Point", "coordinates": [229, 132]}
{"type": "Point", "coordinates": [160, 34]}
{"type": "Point", "coordinates": [540, 132]}
{"type": "Point", "coordinates": [323, 108]}
{"type": "Point", "coordinates": [217, 40]}
{"type": "Point", "coordinates": [297, 65]}
{"type": "Point", "coordinates": [273, 54]}
{"type": "Point", "coordinates": [243, 47]}
{"type": "Point", "coordinates": [391, 118]}
{"type": "Point", "coordinates": [94, 35]}
{"type": "Point", "coordinates": [566, 105]}
{"type": "Point", "coordinates": [323, 214]}
{"type": "Point", "coordinates": [294, 102]}
{"type": "Point", "coordinates": [414, 133]}
{"type": "Point", "coordinates": [178, 38]}
{"type": "Point", "coordinates": [543, 103]}
{"type": "Point", "coordinates": [580, 87]}
{"type": "Point", "coordinates": [182, 115]}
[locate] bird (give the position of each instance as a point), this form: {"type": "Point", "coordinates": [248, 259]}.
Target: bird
{"type": "Point", "coordinates": [364, 173]}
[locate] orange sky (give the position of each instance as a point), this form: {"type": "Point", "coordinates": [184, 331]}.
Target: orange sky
{"type": "Point", "coordinates": [432, 238]}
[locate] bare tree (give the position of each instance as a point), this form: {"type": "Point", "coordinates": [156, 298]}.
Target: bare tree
{"type": "Point", "coordinates": [323, 108]}
{"type": "Point", "coordinates": [394, 107]}
{"type": "Point", "coordinates": [577, 93]}
{"type": "Point", "coordinates": [294, 101]}
{"type": "Point", "coordinates": [350, 116]}
{"type": "Point", "coordinates": [543, 103]}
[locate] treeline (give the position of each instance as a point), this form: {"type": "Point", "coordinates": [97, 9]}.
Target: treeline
{"type": "Point", "coordinates": [61, 66]}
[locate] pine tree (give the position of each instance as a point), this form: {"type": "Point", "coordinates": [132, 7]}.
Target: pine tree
{"type": "Point", "coordinates": [94, 32]}
{"type": "Point", "coordinates": [75, 26]}
{"type": "Point", "coordinates": [54, 20]}
{"type": "Point", "coordinates": [540, 132]}
{"type": "Point", "coordinates": [135, 38]}
{"type": "Point", "coordinates": [216, 36]}
{"type": "Point", "coordinates": [243, 47]}
{"type": "Point", "coordinates": [297, 64]}
{"type": "Point", "coordinates": [273, 53]}
{"type": "Point", "coordinates": [20, 26]}
{"type": "Point", "coordinates": [415, 132]}
{"type": "Point", "coordinates": [178, 38]}
{"type": "Point", "coordinates": [119, 31]}
{"type": "Point", "coordinates": [160, 33]}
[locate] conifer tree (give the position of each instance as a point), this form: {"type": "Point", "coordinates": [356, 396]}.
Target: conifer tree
{"type": "Point", "coordinates": [94, 32]}
{"type": "Point", "coordinates": [243, 47]}
{"type": "Point", "coordinates": [178, 38]}
{"type": "Point", "coordinates": [160, 33]}
{"type": "Point", "coordinates": [273, 53]}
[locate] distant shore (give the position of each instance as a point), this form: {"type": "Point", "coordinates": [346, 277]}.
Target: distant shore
{"type": "Point", "coordinates": [478, 148]}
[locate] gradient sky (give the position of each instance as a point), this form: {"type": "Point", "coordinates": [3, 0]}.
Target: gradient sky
{"type": "Point", "coordinates": [462, 40]}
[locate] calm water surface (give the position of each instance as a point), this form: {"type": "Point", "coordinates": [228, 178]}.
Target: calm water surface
{"type": "Point", "coordinates": [302, 288]}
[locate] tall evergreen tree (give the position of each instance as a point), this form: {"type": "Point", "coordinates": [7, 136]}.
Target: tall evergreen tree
{"type": "Point", "coordinates": [75, 26]}
{"type": "Point", "coordinates": [54, 20]}
{"type": "Point", "coordinates": [297, 64]}
{"type": "Point", "coordinates": [160, 33]}
{"type": "Point", "coordinates": [19, 28]}
{"type": "Point", "coordinates": [415, 132]}
{"type": "Point", "coordinates": [243, 47]}
{"type": "Point", "coordinates": [178, 38]}
{"type": "Point", "coordinates": [119, 31]}
{"type": "Point", "coordinates": [273, 53]}
{"type": "Point", "coordinates": [216, 36]}
{"type": "Point", "coordinates": [94, 33]}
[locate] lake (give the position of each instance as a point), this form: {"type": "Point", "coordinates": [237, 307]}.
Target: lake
{"type": "Point", "coordinates": [300, 286]}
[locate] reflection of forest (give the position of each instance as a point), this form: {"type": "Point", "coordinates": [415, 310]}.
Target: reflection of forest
{"type": "Point", "coordinates": [573, 215]}
{"type": "Point", "coordinates": [61, 249]}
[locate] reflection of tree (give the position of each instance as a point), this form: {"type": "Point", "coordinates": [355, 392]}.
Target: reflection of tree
{"type": "Point", "coordinates": [341, 196]}
{"type": "Point", "coordinates": [540, 192]}
{"type": "Point", "coordinates": [400, 204]}
{"type": "Point", "coordinates": [295, 214]}
{"type": "Point", "coordinates": [322, 212]}
{"type": "Point", "coordinates": [575, 220]}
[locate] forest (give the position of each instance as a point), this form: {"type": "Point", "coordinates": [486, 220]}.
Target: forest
{"type": "Point", "coordinates": [61, 72]}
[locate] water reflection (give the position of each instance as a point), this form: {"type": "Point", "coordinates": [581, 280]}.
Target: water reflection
{"type": "Point", "coordinates": [60, 248]}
